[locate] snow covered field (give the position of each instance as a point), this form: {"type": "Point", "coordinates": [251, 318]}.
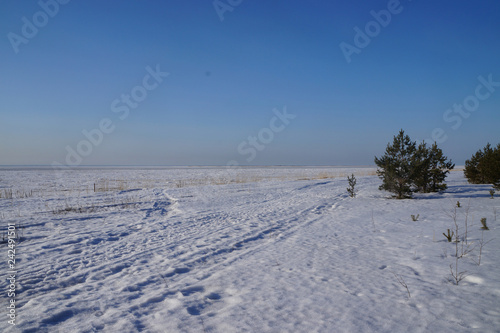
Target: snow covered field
{"type": "Point", "coordinates": [248, 250]}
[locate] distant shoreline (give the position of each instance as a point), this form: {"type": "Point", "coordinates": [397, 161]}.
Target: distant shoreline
{"type": "Point", "coordinates": [161, 167]}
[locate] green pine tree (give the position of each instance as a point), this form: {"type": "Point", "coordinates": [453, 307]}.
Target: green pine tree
{"type": "Point", "coordinates": [430, 168]}
{"type": "Point", "coordinates": [406, 168]}
{"type": "Point", "coordinates": [484, 167]}
{"type": "Point", "coordinates": [421, 175]}
{"type": "Point", "coordinates": [472, 169]}
{"type": "Point", "coordinates": [352, 184]}
{"type": "Point", "coordinates": [490, 167]}
{"type": "Point", "coordinates": [440, 166]}
{"type": "Point", "coordinates": [395, 168]}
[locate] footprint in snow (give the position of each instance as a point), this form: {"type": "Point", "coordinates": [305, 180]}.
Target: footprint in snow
{"type": "Point", "coordinates": [191, 290]}
{"type": "Point", "coordinates": [195, 310]}
{"type": "Point", "coordinates": [213, 296]}
{"type": "Point", "coordinates": [181, 270]}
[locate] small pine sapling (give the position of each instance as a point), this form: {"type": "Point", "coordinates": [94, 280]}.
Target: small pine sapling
{"type": "Point", "coordinates": [458, 204]}
{"type": "Point", "coordinates": [352, 183]}
{"type": "Point", "coordinates": [449, 237]}
{"type": "Point", "coordinates": [415, 218]}
{"type": "Point", "coordinates": [492, 193]}
{"type": "Point", "coordinates": [483, 222]}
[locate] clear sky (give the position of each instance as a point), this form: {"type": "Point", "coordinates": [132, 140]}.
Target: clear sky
{"type": "Point", "coordinates": [254, 82]}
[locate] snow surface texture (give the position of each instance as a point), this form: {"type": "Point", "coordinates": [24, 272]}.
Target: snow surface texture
{"type": "Point", "coordinates": [260, 250]}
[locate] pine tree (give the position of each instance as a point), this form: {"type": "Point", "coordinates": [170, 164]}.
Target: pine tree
{"type": "Point", "coordinates": [352, 183]}
{"type": "Point", "coordinates": [490, 167]}
{"type": "Point", "coordinates": [484, 167]}
{"type": "Point", "coordinates": [430, 168]}
{"type": "Point", "coordinates": [406, 168]}
{"type": "Point", "coordinates": [396, 166]}
{"type": "Point", "coordinates": [421, 176]}
{"type": "Point", "coordinates": [471, 171]}
{"type": "Point", "coordinates": [440, 166]}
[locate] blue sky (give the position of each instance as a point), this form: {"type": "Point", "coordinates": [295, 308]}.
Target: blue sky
{"type": "Point", "coordinates": [228, 79]}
